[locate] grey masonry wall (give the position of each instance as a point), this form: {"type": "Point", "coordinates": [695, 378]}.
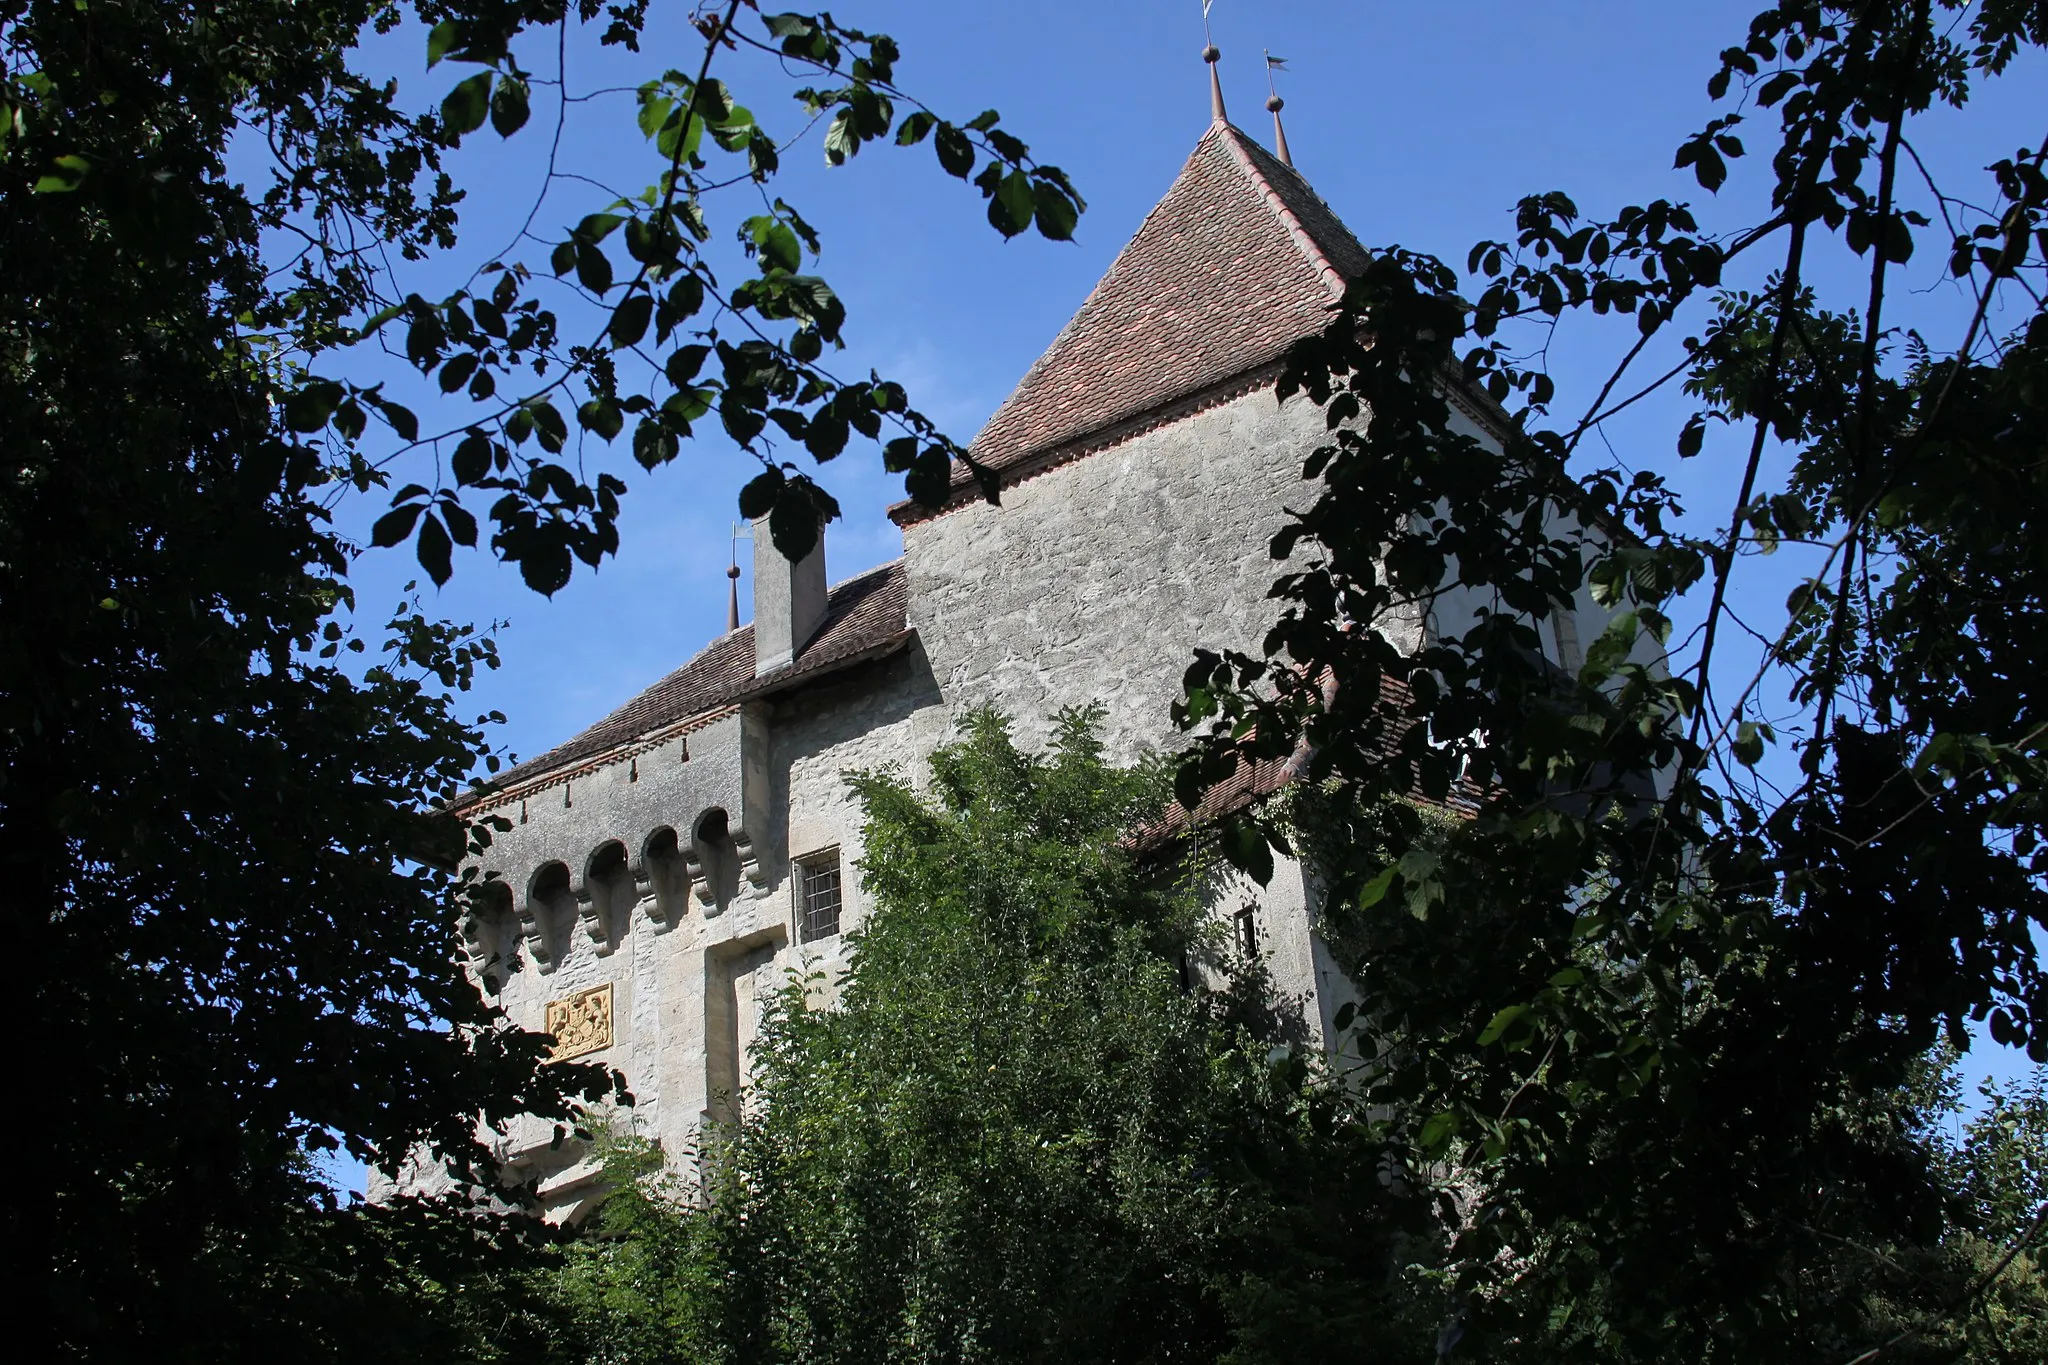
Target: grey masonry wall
{"type": "Point", "coordinates": [1094, 582]}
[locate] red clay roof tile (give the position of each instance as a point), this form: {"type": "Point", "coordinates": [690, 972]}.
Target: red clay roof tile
{"type": "Point", "coordinates": [1239, 260]}
{"type": "Point", "coordinates": [864, 616]}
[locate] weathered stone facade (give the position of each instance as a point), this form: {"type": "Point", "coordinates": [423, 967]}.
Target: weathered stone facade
{"type": "Point", "coordinates": [653, 862]}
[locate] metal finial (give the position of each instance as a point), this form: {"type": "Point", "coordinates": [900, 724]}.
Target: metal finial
{"type": "Point", "coordinates": [1276, 104]}
{"type": "Point", "coordinates": [732, 600]}
{"type": "Point", "coordinates": [1216, 114]}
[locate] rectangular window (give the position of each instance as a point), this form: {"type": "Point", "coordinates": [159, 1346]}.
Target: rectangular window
{"type": "Point", "coordinates": [1248, 931]}
{"type": "Point", "coordinates": [817, 895]}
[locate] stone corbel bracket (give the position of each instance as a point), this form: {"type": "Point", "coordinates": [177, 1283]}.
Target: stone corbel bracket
{"type": "Point", "coordinates": [475, 952]}
{"type": "Point", "coordinates": [591, 908]}
{"type": "Point", "coordinates": [750, 862]}
{"type": "Point", "coordinates": [533, 929]}
{"type": "Point", "coordinates": [700, 879]}
{"type": "Point", "coordinates": [646, 900]}
{"type": "Point", "coordinates": [756, 810]}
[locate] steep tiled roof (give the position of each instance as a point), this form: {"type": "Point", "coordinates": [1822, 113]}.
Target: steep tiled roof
{"type": "Point", "coordinates": [1238, 261]}
{"type": "Point", "coordinates": [864, 617]}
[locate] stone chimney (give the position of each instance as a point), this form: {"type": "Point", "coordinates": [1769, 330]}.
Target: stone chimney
{"type": "Point", "coordinates": [789, 600]}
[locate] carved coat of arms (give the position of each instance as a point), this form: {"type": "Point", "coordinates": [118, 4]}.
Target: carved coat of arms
{"type": "Point", "coordinates": [581, 1022]}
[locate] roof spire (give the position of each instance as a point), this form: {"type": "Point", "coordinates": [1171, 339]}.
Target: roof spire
{"type": "Point", "coordinates": [1210, 55]}
{"type": "Point", "coordinates": [1216, 114]}
{"type": "Point", "coordinates": [732, 600]}
{"type": "Point", "coordinates": [1276, 104]}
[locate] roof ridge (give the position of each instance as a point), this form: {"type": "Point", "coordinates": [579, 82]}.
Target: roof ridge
{"type": "Point", "coordinates": [1240, 145]}
{"type": "Point", "coordinates": [868, 572]}
{"type": "Point", "coordinates": [1047, 355]}
{"type": "Point", "coordinates": [1235, 262]}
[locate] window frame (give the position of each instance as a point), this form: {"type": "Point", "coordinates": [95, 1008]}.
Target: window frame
{"type": "Point", "coordinates": [1245, 931]}
{"type": "Point", "coordinates": [802, 868]}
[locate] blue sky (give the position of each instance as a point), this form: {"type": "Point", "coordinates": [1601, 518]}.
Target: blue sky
{"type": "Point", "coordinates": [1420, 124]}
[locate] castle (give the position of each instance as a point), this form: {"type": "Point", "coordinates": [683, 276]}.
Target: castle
{"type": "Point", "coordinates": [668, 866]}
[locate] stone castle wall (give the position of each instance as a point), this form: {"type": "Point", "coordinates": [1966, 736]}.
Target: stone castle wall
{"type": "Point", "coordinates": [1095, 581]}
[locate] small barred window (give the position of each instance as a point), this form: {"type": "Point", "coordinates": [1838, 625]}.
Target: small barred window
{"type": "Point", "coordinates": [817, 895]}
{"type": "Point", "coordinates": [1248, 931]}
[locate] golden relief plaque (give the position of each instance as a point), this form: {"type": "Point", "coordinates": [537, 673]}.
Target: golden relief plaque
{"type": "Point", "coordinates": [581, 1022]}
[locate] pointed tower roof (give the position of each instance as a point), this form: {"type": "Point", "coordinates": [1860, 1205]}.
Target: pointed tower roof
{"type": "Point", "coordinates": [1239, 260]}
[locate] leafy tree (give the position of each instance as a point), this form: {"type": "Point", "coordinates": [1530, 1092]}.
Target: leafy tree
{"type": "Point", "coordinates": [1012, 1130]}
{"type": "Point", "coordinates": [1647, 1013]}
{"type": "Point", "coordinates": [229, 887]}
{"type": "Point", "coordinates": [1979, 1294]}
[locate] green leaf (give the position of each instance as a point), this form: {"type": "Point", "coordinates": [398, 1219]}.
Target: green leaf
{"type": "Point", "coordinates": [553, 431]}
{"type": "Point", "coordinates": [308, 409]}
{"type": "Point", "coordinates": [442, 40]}
{"type": "Point", "coordinates": [1010, 207]}
{"type": "Point", "coordinates": [1748, 746]}
{"type": "Point", "coordinates": [956, 153]}
{"type": "Point", "coordinates": [653, 443]}
{"type": "Point", "coordinates": [593, 268]}
{"type": "Point", "coordinates": [684, 363]}
{"type": "Point", "coordinates": [654, 109]}
{"type": "Point", "coordinates": [630, 319]}
{"type": "Point", "coordinates": [774, 242]}
{"type": "Point", "coordinates": [601, 415]}
{"type": "Point", "coordinates": [546, 568]}
{"type": "Point", "coordinates": [685, 406]}
{"type": "Point", "coordinates": [70, 171]}
{"type": "Point", "coordinates": [394, 526]}
{"type": "Point", "coordinates": [1501, 1023]}
{"type": "Point", "coordinates": [826, 437]}
{"type": "Point", "coordinates": [715, 102]}
{"type": "Point", "coordinates": [915, 128]}
{"type": "Point", "coordinates": [842, 138]}
{"type": "Point", "coordinates": [1055, 212]}
{"type": "Point", "coordinates": [676, 144]}
{"type": "Point", "coordinates": [685, 298]}
{"type": "Point", "coordinates": [472, 458]}
{"type": "Point", "coordinates": [595, 227]}
{"type": "Point", "coordinates": [757, 499]}
{"type": "Point", "coordinates": [464, 109]}
{"type": "Point", "coordinates": [401, 419]}
{"type": "Point", "coordinates": [350, 419]}
{"type": "Point", "coordinates": [461, 524]}
{"type": "Point", "coordinates": [1375, 891]}
{"type": "Point", "coordinates": [793, 523]}
{"type": "Point", "coordinates": [509, 109]}
{"type": "Point", "coordinates": [457, 371]}
{"type": "Point", "coordinates": [1247, 849]}
{"type": "Point", "coordinates": [433, 549]}
{"type": "Point", "coordinates": [1693, 437]}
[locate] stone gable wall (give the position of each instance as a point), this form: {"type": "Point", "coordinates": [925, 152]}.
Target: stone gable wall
{"type": "Point", "coordinates": [1095, 580]}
